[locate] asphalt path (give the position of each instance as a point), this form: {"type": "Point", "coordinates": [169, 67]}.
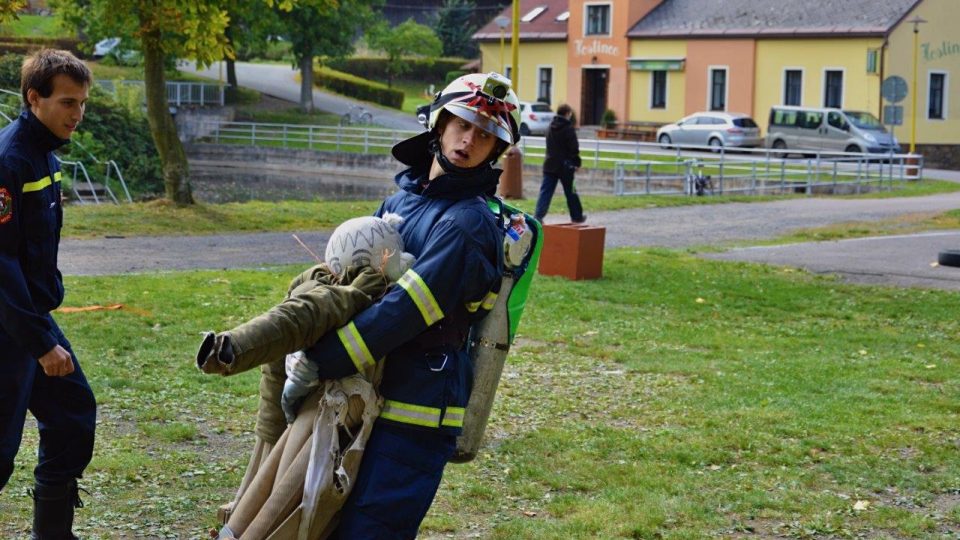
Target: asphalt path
{"type": "Point", "coordinates": [903, 261]}
{"type": "Point", "coordinates": [899, 260]}
{"type": "Point", "coordinates": [281, 81]}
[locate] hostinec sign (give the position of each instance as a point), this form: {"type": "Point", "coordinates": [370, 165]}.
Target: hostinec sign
{"type": "Point", "coordinates": [594, 48]}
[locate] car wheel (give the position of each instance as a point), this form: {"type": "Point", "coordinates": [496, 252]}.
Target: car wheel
{"type": "Point", "coordinates": [852, 148]}
{"type": "Point", "coordinates": [665, 140]}
{"type": "Point", "coordinates": [524, 130]}
{"type": "Point", "coordinates": [949, 257]}
{"type": "Point", "coordinates": [715, 144]}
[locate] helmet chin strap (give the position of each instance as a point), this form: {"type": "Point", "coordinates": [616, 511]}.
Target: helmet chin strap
{"type": "Point", "coordinates": [449, 167]}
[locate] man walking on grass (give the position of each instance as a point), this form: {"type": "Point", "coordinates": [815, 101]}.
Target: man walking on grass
{"type": "Point", "coordinates": [38, 370]}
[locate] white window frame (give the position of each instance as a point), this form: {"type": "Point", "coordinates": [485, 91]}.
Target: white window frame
{"type": "Point", "coordinates": [823, 86]}
{"type": "Point", "coordinates": [586, 19]}
{"type": "Point", "coordinates": [946, 94]}
{"type": "Point", "coordinates": [553, 80]}
{"type": "Point", "coordinates": [726, 88]}
{"type": "Point", "coordinates": [783, 84]}
{"type": "Point", "coordinates": [666, 90]}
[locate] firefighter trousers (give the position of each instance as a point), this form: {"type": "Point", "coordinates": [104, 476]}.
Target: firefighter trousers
{"type": "Point", "coordinates": [64, 407]}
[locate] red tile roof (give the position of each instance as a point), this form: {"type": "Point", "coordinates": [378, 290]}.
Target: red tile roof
{"type": "Point", "coordinates": [545, 27]}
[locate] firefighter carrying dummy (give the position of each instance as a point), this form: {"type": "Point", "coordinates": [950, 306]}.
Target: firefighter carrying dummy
{"type": "Point", "coordinates": [418, 329]}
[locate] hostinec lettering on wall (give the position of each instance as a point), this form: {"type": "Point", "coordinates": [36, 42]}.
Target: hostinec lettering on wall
{"type": "Point", "coordinates": [946, 48]}
{"type": "Point", "coordinates": [594, 47]}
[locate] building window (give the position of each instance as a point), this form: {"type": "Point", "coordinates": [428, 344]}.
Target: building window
{"type": "Point", "coordinates": [598, 20]}
{"type": "Point", "coordinates": [718, 89]}
{"type": "Point", "coordinates": [545, 85]}
{"type": "Point", "coordinates": [937, 86]}
{"type": "Point", "coordinates": [833, 89]}
{"type": "Point", "coordinates": [873, 61]}
{"type": "Point", "coordinates": [658, 89]}
{"type": "Point", "coordinates": [506, 73]}
{"type": "Point", "coordinates": [792, 87]}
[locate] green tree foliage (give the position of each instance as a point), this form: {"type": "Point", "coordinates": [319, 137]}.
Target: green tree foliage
{"type": "Point", "coordinates": [408, 38]}
{"type": "Point", "coordinates": [165, 30]}
{"type": "Point", "coordinates": [323, 28]}
{"type": "Point", "coordinates": [9, 9]}
{"type": "Point", "coordinates": [454, 26]}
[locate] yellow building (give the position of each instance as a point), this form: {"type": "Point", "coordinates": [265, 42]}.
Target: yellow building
{"type": "Point", "coordinates": [654, 61]}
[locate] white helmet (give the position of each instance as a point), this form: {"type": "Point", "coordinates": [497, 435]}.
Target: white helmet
{"type": "Point", "coordinates": [485, 100]}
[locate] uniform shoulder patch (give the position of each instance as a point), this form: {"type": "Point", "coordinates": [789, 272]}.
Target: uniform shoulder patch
{"type": "Point", "coordinates": [6, 206]}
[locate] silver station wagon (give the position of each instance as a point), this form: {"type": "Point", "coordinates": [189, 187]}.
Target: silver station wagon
{"type": "Point", "coordinates": [713, 129]}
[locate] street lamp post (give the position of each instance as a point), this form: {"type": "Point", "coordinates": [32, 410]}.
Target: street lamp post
{"type": "Point", "coordinates": [502, 21]}
{"type": "Point", "coordinates": [917, 21]}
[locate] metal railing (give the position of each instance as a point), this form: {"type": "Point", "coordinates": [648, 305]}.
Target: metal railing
{"type": "Point", "coordinates": [638, 168]}
{"type": "Point", "coordinates": [310, 137]}
{"type": "Point", "coordinates": [182, 93]}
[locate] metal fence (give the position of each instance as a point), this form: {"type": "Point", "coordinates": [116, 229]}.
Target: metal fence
{"type": "Point", "coordinates": [638, 168]}
{"type": "Point", "coordinates": [181, 93]}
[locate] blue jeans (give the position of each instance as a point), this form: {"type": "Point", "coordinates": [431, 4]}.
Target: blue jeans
{"type": "Point", "coordinates": [548, 186]}
{"type": "Point", "coordinates": [64, 407]}
{"type": "Point", "coordinates": [398, 478]}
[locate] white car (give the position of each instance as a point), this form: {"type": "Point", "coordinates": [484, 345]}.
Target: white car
{"type": "Point", "coordinates": [104, 46]}
{"type": "Point", "coordinates": [535, 118]}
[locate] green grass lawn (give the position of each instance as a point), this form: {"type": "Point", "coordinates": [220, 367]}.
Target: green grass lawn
{"type": "Point", "coordinates": [35, 26]}
{"type": "Point", "coordinates": [675, 398]}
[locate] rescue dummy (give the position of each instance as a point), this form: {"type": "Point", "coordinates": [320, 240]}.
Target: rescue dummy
{"type": "Point", "coordinates": [363, 256]}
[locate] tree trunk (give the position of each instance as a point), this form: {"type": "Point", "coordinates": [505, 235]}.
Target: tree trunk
{"type": "Point", "coordinates": [306, 83]}
{"type": "Point", "coordinates": [176, 175]}
{"type": "Point", "coordinates": [231, 69]}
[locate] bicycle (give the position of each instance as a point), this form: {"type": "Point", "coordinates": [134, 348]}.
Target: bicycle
{"type": "Point", "coordinates": [356, 115]}
{"type": "Point", "coordinates": [699, 183]}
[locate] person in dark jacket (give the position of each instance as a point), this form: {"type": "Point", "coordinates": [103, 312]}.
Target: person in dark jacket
{"type": "Point", "coordinates": [562, 161]}
{"type": "Point", "coordinates": [420, 327]}
{"type": "Point", "coordinates": [38, 370]}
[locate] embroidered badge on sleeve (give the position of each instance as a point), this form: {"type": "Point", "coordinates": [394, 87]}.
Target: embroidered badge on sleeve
{"type": "Point", "coordinates": [6, 206]}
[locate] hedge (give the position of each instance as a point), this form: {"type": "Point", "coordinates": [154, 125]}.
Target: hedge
{"type": "Point", "coordinates": [22, 45]}
{"type": "Point", "coordinates": [347, 84]}
{"type": "Point", "coordinates": [421, 69]}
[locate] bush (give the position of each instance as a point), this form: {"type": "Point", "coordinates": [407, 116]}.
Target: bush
{"type": "Point", "coordinates": [10, 71]}
{"type": "Point", "coordinates": [344, 83]}
{"type": "Point", "coordinates": [421, 69]}
{"type": "Point", "coordinates": [609, 119]}
{"type": "Point", "coordinates": [452, 75]}
{"type": "Point", "coordinates": [23, 45]}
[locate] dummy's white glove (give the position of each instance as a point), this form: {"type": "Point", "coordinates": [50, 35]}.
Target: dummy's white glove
{"type": "Point", "coordinates": [302, 378]}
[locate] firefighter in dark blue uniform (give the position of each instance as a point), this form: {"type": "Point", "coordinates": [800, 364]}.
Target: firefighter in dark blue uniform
{"type": "Point", "coordinates": [38, 370]}
{"type": "Point", "coordinates": [420, 326]}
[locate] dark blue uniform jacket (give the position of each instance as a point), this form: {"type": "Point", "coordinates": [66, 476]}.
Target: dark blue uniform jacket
{"type": "Point", "coordinates": [420, 325]}
{"type": "Point", "coordinates": [30, 222]}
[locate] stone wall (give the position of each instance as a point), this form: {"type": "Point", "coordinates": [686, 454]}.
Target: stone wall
{"type": "Point", "coordinates": [940, 156]}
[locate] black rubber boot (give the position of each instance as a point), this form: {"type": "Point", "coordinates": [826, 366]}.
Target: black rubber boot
{"type": "Point", "coordinates": [53, 511]}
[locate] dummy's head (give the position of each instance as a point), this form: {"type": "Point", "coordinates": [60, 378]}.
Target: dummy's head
{"type": "Point", "coordinates": [369, 241]}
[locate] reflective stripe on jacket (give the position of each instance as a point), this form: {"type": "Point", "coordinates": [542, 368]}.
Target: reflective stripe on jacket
{"type": "Point", "coordinates": [458, 246]}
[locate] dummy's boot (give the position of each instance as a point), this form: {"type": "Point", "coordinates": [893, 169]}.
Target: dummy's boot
{"type": "Point", "coordinates": [53, 511]}
{"type": "Point", "coordinates": [215, 355]}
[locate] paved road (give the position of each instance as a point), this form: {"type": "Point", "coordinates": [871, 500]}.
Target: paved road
{"type": "Point", "coordinates": [670, 227]}
{"type": "Point", "coordinates": [280, 81]}
{"type": "Point", "coordinates": [905, 261]}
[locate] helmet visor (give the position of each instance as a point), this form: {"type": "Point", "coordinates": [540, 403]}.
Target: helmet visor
{"type": "Point", "coordinates": [487, 121]}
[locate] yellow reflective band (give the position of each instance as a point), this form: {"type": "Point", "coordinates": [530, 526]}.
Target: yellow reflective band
{"type": "Point", "coordinates": [489, 300]}
{"type": "Point", "coordinates": [453, 417]}
{"type": "Point", "coordinates": [408, 413]}
{"type": "Point", "coordinates": [356, 348]}
{"type": "Point", "coordinates": [37, 185]}
{"type": "Point", "coordinates": [473, 306]}
{"type": "Point", "coordinates": [421, 296]}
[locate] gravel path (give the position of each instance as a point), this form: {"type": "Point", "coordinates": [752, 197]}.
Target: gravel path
{"type": "Point", "coordinates": [670, 227]}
